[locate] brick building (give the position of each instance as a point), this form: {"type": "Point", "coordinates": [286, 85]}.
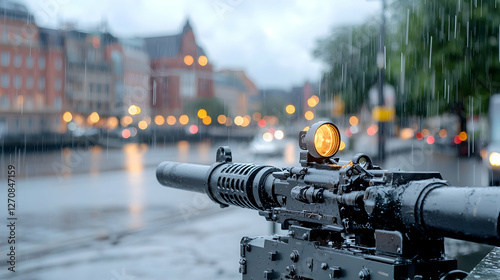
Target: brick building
{"type": "Point", "coordinates": [136, 77]}
{"type": "Point", "coordinates": [31, 74]}
{"type": "Point", "coordinates": [180, 71]}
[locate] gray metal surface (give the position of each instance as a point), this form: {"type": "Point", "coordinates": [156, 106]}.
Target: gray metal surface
{"type": "Point", "coordinates": [488, 268]}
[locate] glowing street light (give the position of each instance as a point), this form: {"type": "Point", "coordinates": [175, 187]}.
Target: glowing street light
{"type": "Point", "coordinates": [202, 60]}
{"type": "Point", "coordinates": [188, 60]}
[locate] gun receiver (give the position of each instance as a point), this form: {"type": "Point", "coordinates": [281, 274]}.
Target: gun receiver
{"type": "Point", "coordinates": [349, 220]}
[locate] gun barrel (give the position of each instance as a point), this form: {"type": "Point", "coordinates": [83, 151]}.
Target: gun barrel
{"type": "Point", "coordinates": [184, 176]}
{"type": "Point", "coordinates": [240, 184]}
{"type": "Point", "coordinates": [467, 213]}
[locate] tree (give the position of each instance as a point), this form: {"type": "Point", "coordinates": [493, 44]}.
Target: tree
{"type": "Point", "coordinates": [351, 53]}
{"type": "Point", "coordinates": [448, 55]}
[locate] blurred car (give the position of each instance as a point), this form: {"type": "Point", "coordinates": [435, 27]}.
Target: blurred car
{"type": "Point", "coordinates": [266, 146]}
{"type": "Point", "coordinates": [492, 158]}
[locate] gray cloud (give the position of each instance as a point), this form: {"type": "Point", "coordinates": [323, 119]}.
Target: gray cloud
{"type": "Point", "coordinates": [271, 40]}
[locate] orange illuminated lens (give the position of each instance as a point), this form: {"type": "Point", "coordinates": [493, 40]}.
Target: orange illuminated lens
{"type": "Point", "coordinates": [326, 140]}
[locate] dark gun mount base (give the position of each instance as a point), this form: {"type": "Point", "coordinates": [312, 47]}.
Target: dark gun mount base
{"type": "Point", "coordinates": [286, 257]}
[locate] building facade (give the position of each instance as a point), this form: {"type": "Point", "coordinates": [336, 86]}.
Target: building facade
{"type": "Point", "coordinates": [136, 77]}
{"type": "Point", "coordinates": [31, 74]}
{"type": "Point", "coordinates": [237, 91]}
{"type": "Point", "coordinates": [180, 71]}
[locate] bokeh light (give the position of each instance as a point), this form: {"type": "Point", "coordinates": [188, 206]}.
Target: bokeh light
{"type": "Point", "coordinates": [142, 125]}
{"type": "Point", "coordinates": [353, 120]}
{"type": "Point", "coordinates": [112, 122]}
{"type": "Point", "coordinates": [267, 136]}
{"type": "Point", "coordinates": [207, 120]}
{"type": "Point", "coordinates": [443, 133]}
{"type": "Point", "coordinates": [279, 134]}
{"type": "Point", "coordinates": [193, 129]}
{"type": "Point", "coordinates": [462, 136]}
{"type": "Point", "coordinates": [188, 60]}
{"type": "Point", "coordinates": [171, 120]}
{"type": "Point", "coordinates": [159, 120]}
{"type": "Point", "coordinates": [126, 133]}
{"type": "Point", "coordinates": [221, 119]}
{"type": "Point", "coordinates": [184, 119]}
{"type": "Point", "coordinates": [126, 120]}
{"type": "Point", "coordinates": [261, 123]}
{"type": "Point", "coordinates": [93, 118]}
{"type": "Point", "coordinates": [202, 60]}
{"type": "Point", "coordinates": [202, 113]}
{"type": "Point", "coordinates": [238, 120]}
{"type": "Point", "coordinates": [67, 117]}
{"type": "Point", "coordinates": [256, 116]}
{"type": "Point", "coordinates": [290, 109]}
{"type": "Point", "coordinates": [309, 115]}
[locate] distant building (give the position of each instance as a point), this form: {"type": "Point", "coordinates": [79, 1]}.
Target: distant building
{"type": "Point", "coordinates": [31, 74]}
{"type": "Point", "coordinates": [94, 75]}
{"type": "Point", "coordinates": [238, 92]}
{"type": "Point", "coordinates": [180, 71]}
{"type": "Point", "coordinates": [137, 76]}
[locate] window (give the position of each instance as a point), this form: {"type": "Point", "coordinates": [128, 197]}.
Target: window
{"type": "Point", "coordinates": [106, 88]}
{"type": "Point", "coordinates": [30, 123]}
{"type": "Point", "coordinates": [58, 63]}
{"type": "Point", "coordinates": [18, 60]}
{"type": "Point", "coordinates": [5, 102]}
{"type": "Point", "coordinates": [57, 103]}
{"type": "Point", "coordinates": [41, 62]}
{"type": "Point", "coordinates": [5, 81]}
{"type": "Point", "coordinates": [29, 82]}
{"type": "Point", "coordinates": [5, 58]}
{"type": "Point", "coordinates": [17, 82]}
{"type": "Point", "coordinates": [29, 103]}
{"type": "Point", "coordinates": [58, 84]}
{"type": "Point", "coordinates": [188, 85]}
{"type": "Point", "coordinates": [29, 62]}
{"type": "Point", "coordinates": [98, 88]}
{"type": "Point", "coordinates": [41, 83]}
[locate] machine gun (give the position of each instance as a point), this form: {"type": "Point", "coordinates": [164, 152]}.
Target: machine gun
{"type": "Point", "coordinates": [345, 219]}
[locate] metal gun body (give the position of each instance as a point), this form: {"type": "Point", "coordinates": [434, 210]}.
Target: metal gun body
{"type": "Point", "coordinates": [345, 219]}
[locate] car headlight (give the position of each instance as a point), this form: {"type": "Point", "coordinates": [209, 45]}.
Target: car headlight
{"type": "Point", "coordinates": [495, 159]}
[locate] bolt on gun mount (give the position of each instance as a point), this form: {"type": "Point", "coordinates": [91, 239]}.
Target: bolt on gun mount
{"type": "Point", "coordinates": [346, 220]}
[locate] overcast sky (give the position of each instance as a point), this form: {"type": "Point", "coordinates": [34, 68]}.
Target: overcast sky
{"type": "Point", "coordinates": [271, 40]}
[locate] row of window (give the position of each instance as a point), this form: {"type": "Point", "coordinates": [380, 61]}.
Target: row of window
{"type": "Point", "coordinates": [27, 102]}
{"type": "Point", "coordinates": [29, 123]}
{"type": "Point", "coordinates": [29, 81]}
{"type": "Point", "coordinates": [17, 61]}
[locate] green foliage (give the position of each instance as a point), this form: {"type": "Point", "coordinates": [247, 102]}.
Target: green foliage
{"type": "Point", "coordinates": [351, 54]}
{"type": "Point", "coordinates": [461, 65]}
{"type": "Point", "coordinates": [451, 55]}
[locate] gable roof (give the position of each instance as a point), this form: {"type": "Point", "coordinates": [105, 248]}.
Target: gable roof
{"type": "Point", "coordinates": [168, 46]}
